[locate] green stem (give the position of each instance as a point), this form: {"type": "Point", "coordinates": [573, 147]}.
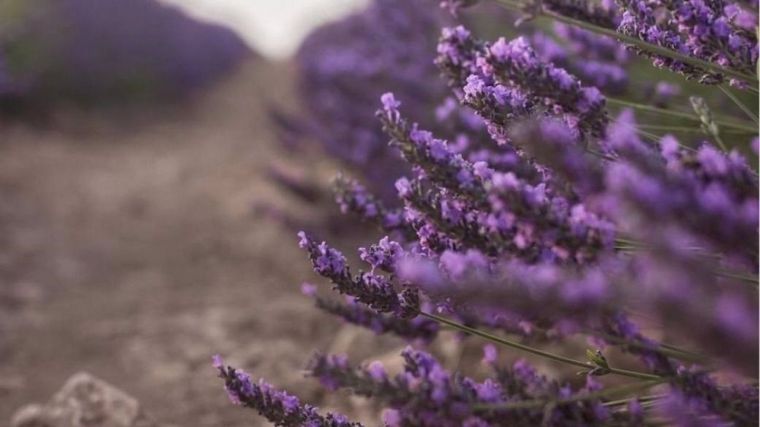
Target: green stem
{"type": "Point", "coordinates": [627, 240]}
{"type": "Point", "coordinates": [689, 129]}
{"type": "Point", "coordinates": [720, 142]}
{"type": "Point", "coordinates": [718, 272]}
{"type": "Point", "coordinates": [680, 350]}
{"type": "Point", "coordinates": [508, 343]}
{"type": "Point", "coordinates": [652, 137]}
{"type": "Point", "coordinates": [527, 404]}
{"type": "Point", "coordinates": [665, 349]}
{"type": "Point", "coordinates": [687, 355]}
{"type": "Point", "coordinates": [738, 276]}
{"type": "Point", "coordinates": [632, 246]}
{"type": "Point", "coordinates": [679, 114]}
{"type": "Point", "coordinates": [538, 352]}
{"type": "Point", "coordinates": [738, 102]}
{"type": "Point", "coordinates": [634, 374]}
{"type": "Point", "coordinates": [640, 399]}
{"type": "Point", "coordinates": [601, 155]}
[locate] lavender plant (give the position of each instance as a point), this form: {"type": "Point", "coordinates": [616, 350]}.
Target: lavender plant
{"type": "Point", "coordinates": [567, 219]}
{"type": "Point", "coordinates": [104, 51]}
{"type": "Point", "coordinates": [344, 67]}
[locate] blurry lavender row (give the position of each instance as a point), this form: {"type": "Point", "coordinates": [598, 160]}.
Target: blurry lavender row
{"type": "Point", "coordinates": [343, 69]}
{"type": "Point", "coordinates": [102, 51]}
{"type": "Point", "coordinates": [345, 66]}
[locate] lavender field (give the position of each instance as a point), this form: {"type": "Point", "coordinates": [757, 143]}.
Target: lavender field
{"type": "Point", "coordinates": [432, 213]}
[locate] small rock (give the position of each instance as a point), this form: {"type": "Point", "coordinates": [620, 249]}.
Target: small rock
{"type": "Point", "coordinates": [85, 401]}
{"type": "Point", "coordinates": [28, 416]}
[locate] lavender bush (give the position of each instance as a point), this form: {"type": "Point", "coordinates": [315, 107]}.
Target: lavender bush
{"type": "Point", "coordinates": [344, 67]}
{"type": "Point", "coordinates": [553, 214]}
{"type": "Point", "coordinates": [100, 51]}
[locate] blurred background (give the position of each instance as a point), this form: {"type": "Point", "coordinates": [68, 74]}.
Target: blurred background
{"type": "Point", "coordinates": [157, 158]}
{"type": "Point", "coordinates": [274, 29]}
{"type": "Point", "coordinates": [140, 228]}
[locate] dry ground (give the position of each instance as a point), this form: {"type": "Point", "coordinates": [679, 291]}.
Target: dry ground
{"type": "Point", "coordinates": [130, 249]}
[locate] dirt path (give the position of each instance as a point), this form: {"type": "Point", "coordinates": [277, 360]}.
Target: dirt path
{"type": "Point", "coordinates": [133, 252]}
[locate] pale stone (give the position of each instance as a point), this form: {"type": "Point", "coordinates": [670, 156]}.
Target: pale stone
{"type": "Point", "coordinates": [85, 401]}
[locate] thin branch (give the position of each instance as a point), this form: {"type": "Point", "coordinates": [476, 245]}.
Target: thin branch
{"type": "Point", "coordinates": [641, 399]}
{"type": "Point", "coordinates": [738, 102]}
{"type": "Point", "coordinates": [613, 391]}
{"type": "Point", "coordinates": [679, 114]}
{"type": "Point", "coordinates": [690, 129]}
{"type": "Point", "coordinates": [538, 352]}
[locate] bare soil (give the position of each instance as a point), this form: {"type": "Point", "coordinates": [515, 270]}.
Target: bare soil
{"type": "Point", "coordinates": [130, 249]}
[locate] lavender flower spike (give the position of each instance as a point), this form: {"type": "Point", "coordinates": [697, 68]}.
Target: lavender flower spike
{"type": "Point", "coordinates": [418, 328]}
{"type": "Point", "coordinates": [354, 198]}
{"type": "Point", "coordinates": [277, 406]}
{"type": "Point", "coordinates": [515, 63]}
{"type": "Point", "coordinates": [368, 288]}
{"type": "Point", "coordinates": [426, 394]}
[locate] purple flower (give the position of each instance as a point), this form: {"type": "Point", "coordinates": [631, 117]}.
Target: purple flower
{"type": "Point", "coordinates": [525, 212]}
{"type": "Point", "coordinates": [426, 394]}
{"type": "Point", "coordinates": [354, 197]}
{"type": "Point", "coordinates": [515, 66]}
{"type": "Point", "coordinates": [383, 255]}
{"type": "Point", "coordinates": [490, 354]}
{"type": "Point", "coordinates": [277, 406]}
{"type": "Point", "coordinates": [694, 28]}
{"type": "Point", "coordinates": [308, 289]}
{"type": "Point", "coordinates": [417, 328]}
{"type": "Point", "coordinates": [391, 418]}
{"type": "Point", "coordinates": [389, 102]}
{"type": "Point", "coordinates": [372, 289]}
{"type": "Point", "coordinates": [664, 92]}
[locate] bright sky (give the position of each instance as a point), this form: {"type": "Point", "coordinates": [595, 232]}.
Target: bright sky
{"type": "Point", "coordinates": [274, 28]}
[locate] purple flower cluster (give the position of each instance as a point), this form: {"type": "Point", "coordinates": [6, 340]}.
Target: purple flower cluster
{"type": "Point", "coordinates": [375, 290]}
{"type": "Point", "coordinates": [543, 294]}
{"type": "Point", "coordinates": [714, 31]}
{"type": "Point", "coordinates": [681, 204]}
{"type": "Point", "coordinates": [426, 394]}
{"type": "Point", "coordinates": [710, 194]}
{"type": "Point", "coordinates": [532, 217]}
{"type": "Point", "coordinates": [598, 61]}
{"type": "Point", "coordinates": [418, 328]}
{"type": "Point", "coordinates": [345, 65]}
{"type": "Point", "coordinates": [506, 80]}
{"type": "Point", "coordinates": [498, 243]}
{"type": "Point", "coordinates": [279, 407]}
{"type": "Point", "coordinates": [354, 198]}
{"type": "Point", "coordinates": [492, 211]}
{"type": "Point", "coordinates": [716, 192]}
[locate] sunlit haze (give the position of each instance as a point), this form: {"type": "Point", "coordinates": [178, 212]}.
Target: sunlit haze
{"type": "Point", "coordinates": [273, 28]}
